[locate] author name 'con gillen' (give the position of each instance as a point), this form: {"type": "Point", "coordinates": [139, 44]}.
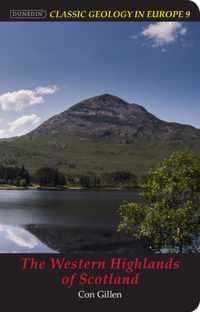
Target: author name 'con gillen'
{"type": "Point", "coordinates": [101, 294]}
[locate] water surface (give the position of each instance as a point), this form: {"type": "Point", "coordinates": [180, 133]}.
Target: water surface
{"type": "Point", "coordinates": [60, 221]}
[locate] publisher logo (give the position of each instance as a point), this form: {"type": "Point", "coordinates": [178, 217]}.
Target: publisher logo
{"type": "Point", "coordinates": [28, 14]}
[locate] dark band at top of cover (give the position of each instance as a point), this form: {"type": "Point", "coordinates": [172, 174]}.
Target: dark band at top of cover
{"type": "Point", "coordinates": [90, 11]}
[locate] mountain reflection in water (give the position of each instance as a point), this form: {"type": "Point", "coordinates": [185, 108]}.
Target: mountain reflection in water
{"type": "Point", "coordinates": [68, 222]}
{"type": "Point", "coordinates": [60, 239]}
{"type": "Point", "coordinates": [63, 222]}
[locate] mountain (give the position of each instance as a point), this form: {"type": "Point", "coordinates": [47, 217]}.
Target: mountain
{"type": "Point", "coordinates": [107, 117]}
{"type": "Point", "coordinates": [103, 133]}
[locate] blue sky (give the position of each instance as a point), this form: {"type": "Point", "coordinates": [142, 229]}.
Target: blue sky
{"type": "Point", "coordinates": [47, 67]}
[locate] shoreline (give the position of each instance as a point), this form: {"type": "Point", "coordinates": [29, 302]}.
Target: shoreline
{"type": "Point", "coordinates": [65, 188]}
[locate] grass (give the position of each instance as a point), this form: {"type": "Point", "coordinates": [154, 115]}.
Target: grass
{"type": "Point", "coordinates": [64, 188]}
{"type": "Point", "coordinates": [74, 156]}
{"type": "Point", "coordinates": [11, 187]}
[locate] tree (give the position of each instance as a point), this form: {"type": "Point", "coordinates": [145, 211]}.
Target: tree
{"type": "Point", "coordinates": [123, 176]}
{"type": "Point", "coordinates": [22, 183]}
{"type": "Point", "coordinates": [120, 177]}
{"type": "Point", "coordinates": [24, 175]}
{"type": "Point", "coordinates": [13, 174]}
{"type": "Point", "coordinates": [49, 177]}
{"type": "Point", "coordinates": [170, 212]}
{"type": "Point", "coordinates": [90, 180]}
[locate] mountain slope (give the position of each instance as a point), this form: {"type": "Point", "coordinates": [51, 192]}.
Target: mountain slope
{"type": "Point", "coordinates": [109, 117]}
{"type": "Point", "coordinates": [103, 133]}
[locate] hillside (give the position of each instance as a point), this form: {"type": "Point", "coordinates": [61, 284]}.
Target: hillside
{"type": "Point", "coordinates": [107, 117]}
{"type": "Point", "coordinates": [100, 134]}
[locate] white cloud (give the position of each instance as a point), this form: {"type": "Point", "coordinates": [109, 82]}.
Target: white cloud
{"type": "Point", "coordinates": [24, 121]}
{"type": "Point", "coordinates": [183, 31]}
{"type": "Point", "coordinates": [19, 236]}
{"type": "Point", "coordinates": [2, 133]}
{"type": "Point", "coordinates": [19, 126]}
{"type": "Point", "coordinates": [18, 100]}
{"type": "Point", "coordinates": [164, 33]}
{"type": "Point", "coordinates": [46, 90]}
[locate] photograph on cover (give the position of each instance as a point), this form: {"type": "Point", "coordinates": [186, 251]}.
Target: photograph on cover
{"type": "Point", "coordinates": [99, 138]}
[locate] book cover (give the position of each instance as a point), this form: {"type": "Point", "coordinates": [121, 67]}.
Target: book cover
{"type": "Point", "coordinates": [100, 155]}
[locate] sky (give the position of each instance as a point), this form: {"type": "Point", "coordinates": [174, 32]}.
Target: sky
{"type": "Point", "coordinates": [47, 67]}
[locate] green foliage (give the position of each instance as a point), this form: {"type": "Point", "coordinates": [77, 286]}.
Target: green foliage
{"type": "Point", "coordinates": [109, 179]}
{"type": "Point", "coordinates": [49, 177]}
{"type": "Point", "coordinates": [22, 183]}
{"type": "Point", "coordinates": [90, 180]}
{"type": "Point", "coordinates": [170, 213]}
{"type": "Point", "coordinates": [123, 176]}
{"type": "Point", "coordinates": [13, 175]}
{"type": "Point", "coordinates": [75, 156]}
{"type": "Point", "coordinates": [132, 215]}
